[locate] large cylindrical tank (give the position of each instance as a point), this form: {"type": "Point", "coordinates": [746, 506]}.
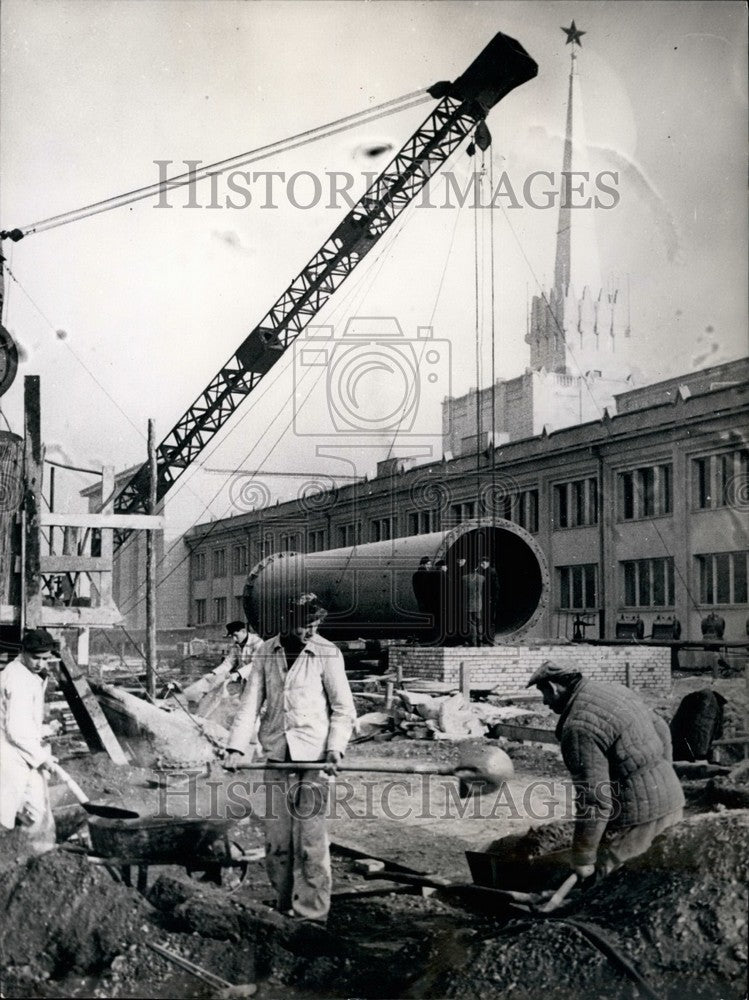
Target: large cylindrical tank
{"type": "Point", "coordinates": [369, 591]}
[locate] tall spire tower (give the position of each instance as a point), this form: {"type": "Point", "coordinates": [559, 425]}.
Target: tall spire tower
{"type": "Point", "coordinates": [575, 325]}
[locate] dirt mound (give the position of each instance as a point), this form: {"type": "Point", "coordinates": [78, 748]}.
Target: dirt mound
{"type": "Point", "coordinates": [535, 842]}
{"type": "Point", "coordinates": [677, 915]}
{"type": "Point", "coordinates": [681, 909]}
{"type": "Point", "coordinates": [62, 913]}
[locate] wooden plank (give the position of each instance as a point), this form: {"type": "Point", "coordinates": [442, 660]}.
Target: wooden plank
{"type": "Point", "coordinates": [530, 734]}
{"type": "Point", "coordinates": [148, 522]}
{"type": "Point", "coordinates": [64, 617]}
{"type": "Point", "coordinates": [31, 613]}
{"type": "Point", "coordinates": [86, 709]}
{"type": "Point", "coordinates": [74, 564]}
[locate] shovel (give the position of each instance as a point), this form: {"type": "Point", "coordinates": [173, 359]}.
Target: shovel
{"type": "Point", "coordinates": [480, 770]}
{"type": "Point", "coordinates": [105, 812]}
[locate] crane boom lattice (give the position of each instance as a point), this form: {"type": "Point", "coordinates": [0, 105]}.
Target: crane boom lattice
{"type": "Point", "coordinates": [502, 66]}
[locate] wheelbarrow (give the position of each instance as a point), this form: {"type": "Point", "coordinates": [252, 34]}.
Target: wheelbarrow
{"type": "Point", "coordinates": [493, 879]}
{"type": "Point", "coordinates": [201, 846]}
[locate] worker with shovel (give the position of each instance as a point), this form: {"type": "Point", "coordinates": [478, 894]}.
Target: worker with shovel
{"type": "Point", "coordinates": [309, 714]}
{"type": "Point", "coordinates": [619, 755]}
{"type": "Point", "coordinates": [207, 694]}
{"type": "Point", "coordinates": [24, 798]}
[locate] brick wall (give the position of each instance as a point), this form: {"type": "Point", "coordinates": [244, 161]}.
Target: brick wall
{"type": "Point", "coordinates": [508, 668]}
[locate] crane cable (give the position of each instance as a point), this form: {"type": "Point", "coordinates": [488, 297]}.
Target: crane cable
{"type": "Point", "coordinates": [397, 104]}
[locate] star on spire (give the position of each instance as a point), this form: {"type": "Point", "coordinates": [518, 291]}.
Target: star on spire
{"type": "Point", "coordinates": [573, 35]}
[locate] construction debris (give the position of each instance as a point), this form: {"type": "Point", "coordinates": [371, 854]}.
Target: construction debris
{"type": "Point", "coordinates": [422, 716]}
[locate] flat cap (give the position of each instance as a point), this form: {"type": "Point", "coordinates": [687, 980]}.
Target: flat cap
{"type": "Point", "coordinates": [236, 626]}
{"type": "Point", "coordinates": [551, 671]}
{"type": "Point", "coordinates": [38, 640]}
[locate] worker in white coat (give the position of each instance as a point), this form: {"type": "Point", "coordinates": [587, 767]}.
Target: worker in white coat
{"type": "Point", "coordinates": [24, 798]}
{"type": "Point", "coordinates": [300, 680]}
{"type": "Point", "coordinates": [208, 693]}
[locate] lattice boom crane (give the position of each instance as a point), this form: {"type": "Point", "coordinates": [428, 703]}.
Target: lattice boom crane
{"type": "Point", "coordinates": [501, 67]}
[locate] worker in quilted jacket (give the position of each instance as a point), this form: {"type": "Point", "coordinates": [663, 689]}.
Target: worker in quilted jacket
{"type": "Point", "coordinates": [300, 680]}
{"type": "Point", "coordinates": [618, 753]}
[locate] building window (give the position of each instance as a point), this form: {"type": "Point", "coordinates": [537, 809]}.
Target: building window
{"type": "Point", "coordinates": [198, 565]}
{"type": "Point", "coordinates": [645, 492]}
{"type": "Point", "coordinates": [576, 587]}
{"type": "Point", "coordinates": [461, 512]}
{"type": "Point", "coordinates": [316, 540]}
{"type": "Point", "coordinates": [219, 610]}
{"type": "Point", "coordinates": [576, 503]}
{"type": "Point", "coordinates": [423, 522]}
{"type": "Point", "coordinates": [526, 510]}
{"type": "Point", "coordinates": [349, 534]}
{"type": "Point", "coordinates": [648, 583]}
{"type": "Point", "coordinates": [381, 529]}
{"type": "Point", "coordinates": [200, 611]}
{"type": "Point", "coordinates": [239, 608]}
{"type": "Point", "coordinates": [239, 559]}
{"type": "Point", "coordinates": [289, 541]}
{"type": "Point", "coordinates": [723, 577]}
{"type": "Point", "coordinates": [219, 562]}
{"type": "Point", "coordinates": [718, 480]}
{"type": "Point", "coordinates": [268, 545]}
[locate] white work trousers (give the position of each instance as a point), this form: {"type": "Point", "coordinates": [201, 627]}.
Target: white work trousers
{"type": "Point", "coordinates": [297, 853]}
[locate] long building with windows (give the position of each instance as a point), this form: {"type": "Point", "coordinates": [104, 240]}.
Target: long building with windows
{"type": "Point", "coordinates": [642, 513]}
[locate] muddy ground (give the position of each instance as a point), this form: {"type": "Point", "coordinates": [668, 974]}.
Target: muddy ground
{"type": "Point", "coordinates": [672, 924]}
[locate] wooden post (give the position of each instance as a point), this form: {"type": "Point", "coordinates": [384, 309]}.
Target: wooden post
{"type": "Point", "coordinates": [31, 605]}
{"type": "Point", "coordinates": [399, 674]}
{"type": "Point", "coordinates": [465, 680]}
{"type": "Point", "coordinates": [151, 570]}
{"type": "Point", "coordinates": [627, 674]}
{"type": "Point", "coordinates": [746, 708]}
{"type": "Point", "coordinates": [83, 648]}
{"type": "Point", "coordinates": [106, 580]}
{"type": "Point", "coordinates": [389, 688]}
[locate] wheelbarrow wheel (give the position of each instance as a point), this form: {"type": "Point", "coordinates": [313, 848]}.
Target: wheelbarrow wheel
{"type": "Point", "coordinates": [229, 873]}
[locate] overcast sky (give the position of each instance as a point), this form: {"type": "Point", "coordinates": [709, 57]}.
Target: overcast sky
{"type": "Point", "coordinates": [150, 301]}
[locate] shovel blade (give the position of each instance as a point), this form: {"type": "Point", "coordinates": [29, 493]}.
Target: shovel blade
{"type": "Point", "coordinates": [109, 812]}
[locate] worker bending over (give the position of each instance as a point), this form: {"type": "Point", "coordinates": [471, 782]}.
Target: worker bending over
{"type": "Point", "coordinates": [309, 714]}
{"type": "Point", "coordinates": [619, 755]}
{"type": "Point", "coordinates": [24, 798]}
{"type": "Point", "coordinates": [209, 690]}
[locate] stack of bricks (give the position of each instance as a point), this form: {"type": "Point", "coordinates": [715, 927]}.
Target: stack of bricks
{"type": "Point", "coordinates": [507, 669]}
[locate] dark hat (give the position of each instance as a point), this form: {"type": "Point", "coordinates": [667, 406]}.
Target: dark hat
{"type": "Point", "coordinates": [424, 560]}
{"type": "Point", "coordinates": [304, 609]}
{"type": "Point", "coordinates": [38, 640]}
{"type": "Point", "coordinates": [551, 671]}
{"type": "Point", "coordinates": [236, 626]}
